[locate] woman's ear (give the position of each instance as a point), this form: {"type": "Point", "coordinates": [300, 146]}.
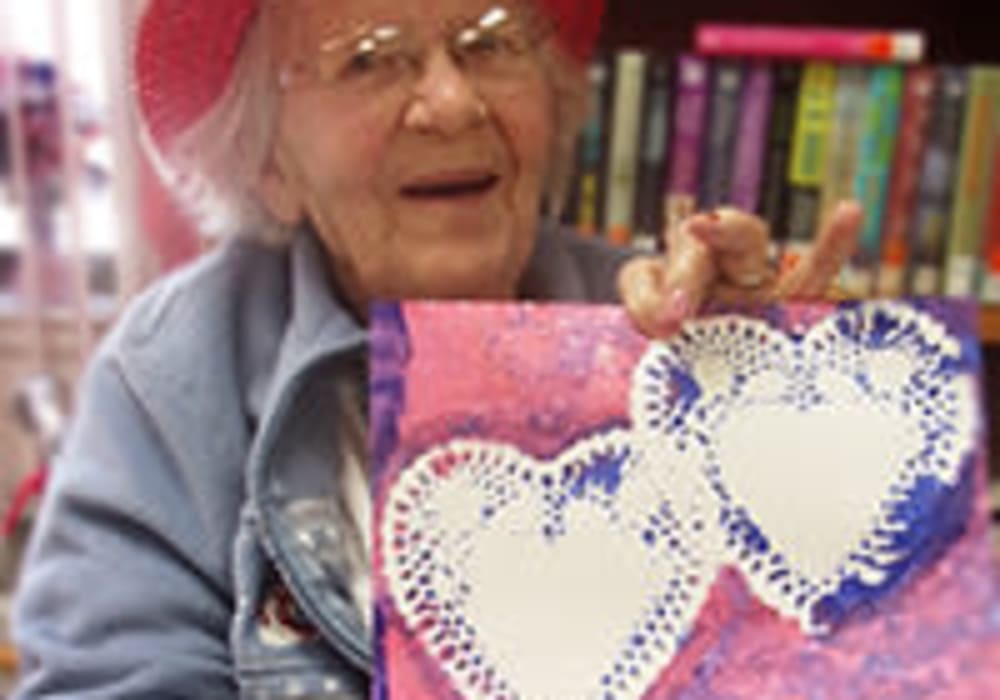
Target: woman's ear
{"type": "Point", "coordinates": [279, 192]}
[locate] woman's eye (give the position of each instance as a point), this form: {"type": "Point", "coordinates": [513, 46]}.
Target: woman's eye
{"type": "Point", "coordinates": [494, 44]}
{"type": "Point", "coordinates": [373, 56]}
{"type": "Point", "coordinates": [361, 63]}
{"type": "Point", "coordinates": [486, 44]}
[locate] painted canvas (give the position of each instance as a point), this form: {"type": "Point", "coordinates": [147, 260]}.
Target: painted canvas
{"type": "Point", "coordinates": [789, 503]}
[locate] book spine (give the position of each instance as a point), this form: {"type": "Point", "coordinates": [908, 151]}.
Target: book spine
{"type": "Point", "coordinates": [688, 134]}
{"type": "Point", "coordinates": [807, 165]}
{"type": "Point", "coordinates": [810, 43]}
{"type": "Point", "coordinates": [723, 119]}
{"type": "Point", "coordinates": [591, 159]}
{"type": "Point", "coordinates": [845, 135]}
{"type": "Point", "coordinates": [773, 208]}
{"type": "Point", "coordinates": [623, 162]}
{"type": "Point", "coordinates": [901, 200]}
{"type": "Point", "coordinates": [751, 138]}
{"type": "Point", "coordinates": [935, 191]}
{"type": "Point", "coordinates": [653, 153]}
{"type": "Point", "coordinates": [990, 289]}
{"type": "Point", "coordinates": [968, 214]}
{"type": "Point", "coordinates": [877, 148]}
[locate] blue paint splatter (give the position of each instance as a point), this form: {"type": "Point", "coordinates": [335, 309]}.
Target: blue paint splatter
{"type": "Point", "coordinates": [686, 390]}
{"type": "Point", "coordinates": [882, 334]}
{"type": "Point", "coordinates": [389, 339]}
{"type": "Point", "coordinates": [389, 348]}
{"type": "Point", "coordinates": [606, 472]}
{"type": "Point", "coordinates": [935, 515]}
{"type": "Point", "coordinates": [740, 527]}
{"type": "Point", "coordinates": [380, 681]}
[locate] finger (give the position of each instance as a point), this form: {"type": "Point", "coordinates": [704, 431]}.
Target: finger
{"type": "Point", "coordinates": [818, 269]}
{"type": "Point", "coordinates": [659, 293]}
{"type": "Point", "coordinates": [739, 242]}
{"type": "Point", "coordinates": [656, 307]}
{"type": "Point", "coordinates": [690, 272]}
{"type": "Point", "coordinates": [762, 291]}
{"type": "Point", "coordinates": [641, 286]}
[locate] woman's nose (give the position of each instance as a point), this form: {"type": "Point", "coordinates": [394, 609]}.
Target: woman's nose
{"type": "Point", "coordinates": [445, 99]}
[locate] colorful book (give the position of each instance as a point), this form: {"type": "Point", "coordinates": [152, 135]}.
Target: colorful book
{"type": "Point", "coordinates": [786, 79]}
{"type": "Point", "coordinates": [845, 135]}
{"type": "Point", "coordinates": [918, 92]}
{"type": "Point", "coordinates": [723, 121]}
{"type": "Point", "coordinates": [935, 187]}
{"type": "Point", "coordinates": [653, 153]}
{"type": "Point", "coordinates": [974, 171]}
{"type": "Point", "coordinates": [807, 166]}
{"type": "Point", "coordinates": [990, 286]}
{"type": "Point", "coordinates": [750, 155]}
{"type": "Point", "coordinates": [590, 177]}
{"type": "Point", "coordinates": [810, 43]}
{"type": "Point", "coordinates": [623, 157]}
{"type": "Point", "coordinates": [875, 155]}
{"type": "Point", "coordinates": [690, 106]}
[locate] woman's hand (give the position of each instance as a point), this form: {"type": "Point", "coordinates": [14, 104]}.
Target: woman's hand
{"type": "Point", "coordinates": [723, 256]}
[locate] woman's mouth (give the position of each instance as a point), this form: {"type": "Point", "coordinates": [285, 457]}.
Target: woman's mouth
{"type": "Point", "coordinates": [450, 187]}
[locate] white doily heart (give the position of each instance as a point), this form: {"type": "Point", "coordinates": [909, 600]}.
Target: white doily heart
{"type": "Point", "coordinates": [546, 580]}
{"type": "Point", "coordinates": [839, 458]}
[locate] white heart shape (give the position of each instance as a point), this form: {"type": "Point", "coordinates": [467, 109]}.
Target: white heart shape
{"type": "Point", "coordinates": [572, 578]}
{"type": "Point", "coordinates": [828, 452]}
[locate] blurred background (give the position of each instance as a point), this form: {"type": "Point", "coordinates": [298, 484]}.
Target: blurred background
{"type": "Point", "coordinates": [84, 225]}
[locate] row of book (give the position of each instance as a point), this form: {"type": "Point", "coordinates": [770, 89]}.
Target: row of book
{"type": "Point", "coordinates": [918, 145]}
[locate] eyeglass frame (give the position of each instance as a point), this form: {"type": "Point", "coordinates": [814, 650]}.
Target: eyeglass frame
{"type": "Point", "coordinates": [410, 57]}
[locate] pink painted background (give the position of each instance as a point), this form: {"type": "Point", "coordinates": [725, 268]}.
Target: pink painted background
{"type": "Point", "coordinates": [539, 377]}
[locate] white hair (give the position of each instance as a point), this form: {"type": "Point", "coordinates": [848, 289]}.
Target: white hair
{"type": "Point", "coordinates": [214, 165]}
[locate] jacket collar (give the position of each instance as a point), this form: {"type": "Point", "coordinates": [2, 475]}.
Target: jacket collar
{"type": "Point", "coordinates": [320, 322]}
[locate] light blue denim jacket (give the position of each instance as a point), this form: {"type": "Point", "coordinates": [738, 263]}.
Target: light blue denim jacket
{"type": "Point", "coordinates": [187, 545]}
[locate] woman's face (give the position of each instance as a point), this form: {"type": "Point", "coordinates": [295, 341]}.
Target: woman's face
{"type": "Point", "coordinates": [423, 178]}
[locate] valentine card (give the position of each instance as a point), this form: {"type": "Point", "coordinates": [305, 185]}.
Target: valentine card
{"type": "Point", "coordinates": [784, 504]}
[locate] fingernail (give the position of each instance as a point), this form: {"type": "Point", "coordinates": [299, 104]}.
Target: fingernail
{"type": "Point", "coordinates": [677, 308]}
{"type": "Point", "coordinates": [848, 207]}
{"type": "Point", "coordinates": [715, 216]}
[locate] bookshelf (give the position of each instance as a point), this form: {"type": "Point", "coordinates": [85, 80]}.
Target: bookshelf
{"type": "Point", "coordinates": [953, 36]}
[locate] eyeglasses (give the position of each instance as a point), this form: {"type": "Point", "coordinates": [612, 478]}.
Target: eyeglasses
{"type": "Point", "coordinates": [497, 47]}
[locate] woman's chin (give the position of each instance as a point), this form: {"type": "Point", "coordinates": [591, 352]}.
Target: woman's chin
{"type": "Point", "coordinates": [466, 275]}
{"type": "Point", "coordinates": [460, 287]}
{"type": "Point", "coordinates": [461, 284]}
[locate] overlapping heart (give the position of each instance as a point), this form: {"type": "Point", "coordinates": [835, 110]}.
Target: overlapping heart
{"type": "Point", "coordinates": [824, 466]}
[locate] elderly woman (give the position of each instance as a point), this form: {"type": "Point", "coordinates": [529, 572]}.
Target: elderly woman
{"type": "Point", "coordinates": [206, 532]}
